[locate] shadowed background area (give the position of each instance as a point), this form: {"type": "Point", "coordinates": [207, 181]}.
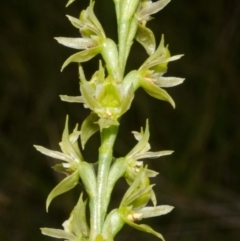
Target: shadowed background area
{"type": "Point", "coordinates": [201, 179]}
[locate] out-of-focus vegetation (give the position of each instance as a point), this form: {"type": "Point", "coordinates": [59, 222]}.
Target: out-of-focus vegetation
{"type": "Point", "coordinates": [201, 179]}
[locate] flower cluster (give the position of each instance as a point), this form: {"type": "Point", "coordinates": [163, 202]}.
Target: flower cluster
{"type": "Point", "coordinates": [133, 206]}
{"type": "Point", "coordinates": [109, 94]}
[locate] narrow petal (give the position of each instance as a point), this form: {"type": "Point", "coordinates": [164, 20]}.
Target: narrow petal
{"type": "Point", "coordinates": [68, 147]}
{"type": "Point", "coordinates": [75, 22]}
{"type": "Point", "coordinates": [149, 212]}
{"type": "Point", "coordinates": [69, 2]}
{"type": "Point", "coordinates": [72, 99]}
{"type": "Point", "coordinates": [54, 154]}
{"type": "Point", "coordinates": [161, 60]}
{"type": "Point", "coordinates": [152, 8]}
{"type": "Point", "coordinates": [58, 233]}
{"type": "Point", "coordinates": [94, 19]}
{"type": "Point", "coordinates": [168, 81]}
{"type": "Point", "coordinates": [152, 154]}
{"type": "Point", "coordinates": [76, 43]}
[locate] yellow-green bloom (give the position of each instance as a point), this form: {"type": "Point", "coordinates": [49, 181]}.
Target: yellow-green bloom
{"type": "Point", "coordinates": [106, 97]}
{"type": "Point", "coordinates": [75, 228]}
{"type": "Point", "coordinates": [145, 35]}
{"type": "Point", "coordinates": [151, 73]}
{"type": "Point", "coordinates": [72, 157]}
{"type": "Point", "coordinates": [140, 152]}
{"type": "Point", "coordinates": [131, 210]}
{"type": "Point", "coordinates": [92, 39]}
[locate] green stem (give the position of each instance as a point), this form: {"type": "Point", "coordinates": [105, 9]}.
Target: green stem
{"type": "Point", "coordinates": [108, 137]}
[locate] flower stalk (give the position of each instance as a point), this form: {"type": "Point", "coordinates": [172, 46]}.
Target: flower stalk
{"type": "Point", "coordinates": [109, 94]}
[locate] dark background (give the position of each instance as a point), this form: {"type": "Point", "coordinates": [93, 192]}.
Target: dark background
{"type": "Point", "coordinates": [201, 179]}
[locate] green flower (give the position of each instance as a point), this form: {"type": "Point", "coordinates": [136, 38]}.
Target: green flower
{"type": "Point", "coordinates": [72, 159]}
{"type": "Point", "coordinates": [92, 39]}
{"type": "Point", "coordinates": [106, 97]}
{"type": "Point", "coordinates": [144, 35]}
{"type": "Point", "coordinates": [147, 8]}
{"type": "Point", "coordinates": [130, 212]}
{"type": "Point", "coordinates": [150, 74]}
{"type": "Point", "coordinates": [71, 154]}
{"type": "Point", "coordinates": [75, 228]}
{"type": "Point", "coordinates": [139, 152]}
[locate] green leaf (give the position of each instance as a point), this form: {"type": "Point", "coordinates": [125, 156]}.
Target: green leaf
{"type": "Point", "coordinates": [76, 43]}
{"type": "Point", "coordinates": [65, 185]}
{"type": "Point", "coordinates": [156, 92]}
{"type": "Point", "coordinates": [117, 170]}
{"type": "Point", "coordinates": [88, 128]}
{"type": "Point", "coordinates": [146, 38]}
{"type": "Point", "coordinates": [58, 233]}
{"type": "Point", "coordinates": [109, 53]}
{"type": "Point", "coordinates": [82, 56]}
{"type": "Point", "coordinates": [88, 177]}
{"type": "Point", "coordinates": [114, 222]}
{"type": "Point", "coordinates": [148, 212]}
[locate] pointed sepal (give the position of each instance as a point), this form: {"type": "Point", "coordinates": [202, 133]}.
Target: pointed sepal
{"type": "Point", "coordinates": [89, 127]}
{"type": "Point", "coordinates": [65, 185]}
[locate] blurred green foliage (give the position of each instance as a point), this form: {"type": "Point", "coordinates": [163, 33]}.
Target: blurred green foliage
{"type": "Point", "coordinates": [201, 179]}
